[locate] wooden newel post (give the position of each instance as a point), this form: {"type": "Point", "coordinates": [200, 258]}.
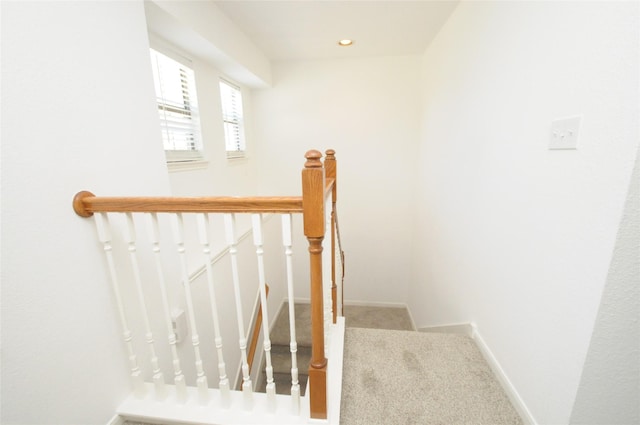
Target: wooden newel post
{"type": "Point", "coordinates": [331, 173]}
{"type": "Point", "coordinates": [313, 180]}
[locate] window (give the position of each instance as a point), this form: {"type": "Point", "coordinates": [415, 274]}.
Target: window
{"type": "Point", "coordinates": [233, 119]}
{"type": "Point", "coordinates": [177, 108]}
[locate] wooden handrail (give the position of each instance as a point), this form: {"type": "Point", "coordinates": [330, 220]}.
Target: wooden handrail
{"type": "Point", "coordinates": [86, 203]}
{"type": "Point", "coordinates": [256, 333]}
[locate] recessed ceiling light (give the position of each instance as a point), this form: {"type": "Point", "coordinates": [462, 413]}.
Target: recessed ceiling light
{"type": "Point", "coordinates": [345, 42]}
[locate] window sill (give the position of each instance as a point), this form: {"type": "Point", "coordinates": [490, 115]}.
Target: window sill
{"type": "Point", "coordinates": [177, 166]}
{"type": "Point", "coordinates": [233, 155]}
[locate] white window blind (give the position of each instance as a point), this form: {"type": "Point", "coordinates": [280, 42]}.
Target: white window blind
{"type": "Point", "coordinates": [177, 108]}
{"type": "Point", "coordinates": [232, 117]}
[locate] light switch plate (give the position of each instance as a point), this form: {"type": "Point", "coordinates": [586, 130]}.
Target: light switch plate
{"type": "Point", "coordinates": [564, 133]}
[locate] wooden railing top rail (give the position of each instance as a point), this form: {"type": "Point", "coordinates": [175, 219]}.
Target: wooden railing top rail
{"type": "Point", "coordinates": [86, 203]}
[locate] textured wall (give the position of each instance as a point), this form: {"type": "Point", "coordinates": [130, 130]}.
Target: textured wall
{"type": "Point", "coordinates": [367, 110]}
{"type": "Point", "coordinates": [78, 113]}
{"type": "Point", "coordinates": [513, 236]}
{"type": "Point", "coordinates": [609, 389]}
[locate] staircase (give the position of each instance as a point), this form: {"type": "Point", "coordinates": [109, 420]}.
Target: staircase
{"type": "Point", "coordinates": [357, 316]}
{"type": "Point", "coordinates": [394, 375]}
{"type": "Point", "coordinates": [281, 353]}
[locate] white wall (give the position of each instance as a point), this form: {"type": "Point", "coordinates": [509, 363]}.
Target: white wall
{"type": "Point", "coordinates": [609, 389]}
{"type": "Point", "coordinates": [367, 110]}
{"type": "Point", "coordinates": [510, 235]}
{"type": "Point", "coordinates": [173, 27]}
{"type": "Point", "coordinates": [214, 37]}
{"type": "Point", "coordinates": [78, 113]}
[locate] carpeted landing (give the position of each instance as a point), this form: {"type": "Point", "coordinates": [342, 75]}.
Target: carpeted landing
{"type": "Point", "coordinates": [405, 377]}
{"type": "Point", "coordinates": [394, 375]}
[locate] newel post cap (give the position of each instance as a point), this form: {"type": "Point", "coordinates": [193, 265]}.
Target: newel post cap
{"type": "Point", "coordinates": [313, 159]}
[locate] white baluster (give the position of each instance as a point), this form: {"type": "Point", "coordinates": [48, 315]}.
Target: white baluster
{"type": "Point", "coordinates": [256, 220]}
{"type": "Point", "coordinates": [104, 236]}
{"type": "Point", "coordinates": [286, 241]}
{"type": "Point", "coordinates": [178, 380]}
{"type": "Point", "coordinates": [201, 381]}
{"type": "Point", "coordinates": [232, 241]}
{"type": "Point", "coordinates": [203, 230]}
{"type": "Point", "coordinates": [130, 238]}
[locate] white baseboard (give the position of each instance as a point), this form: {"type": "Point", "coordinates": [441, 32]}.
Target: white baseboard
{"type": "Point", "coordinates": [508, 387]}
{"type": "Point", "coordinates": [367, 304]}
{"type": "Point", "coordinates": [457, 328]}
{"type": "Point", "coordinates": [358, 303]}
{"type": "Point", "coordinates": [276, 315]}
{"type": "Point", "coordinates": [116, 420]}
{"type": "Point", "coordinates": [382, 304]}
{"type": "Point", "coordinates": [374, 304]}
{"type": "Point", "coordinates": [302, 300]}
{"type": "Point", "coordinates": [413, 322]}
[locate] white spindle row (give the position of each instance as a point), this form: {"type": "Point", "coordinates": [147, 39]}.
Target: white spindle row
{"type": "Point", "coordinates": [287, 242]}
{"type": "Point", "coordinates": [232, 241]}
{"type": "Point", "coordinates": [178, 378]}
{"type": "Point", "coordinates": [104, 236]}
{"type": "Point", "coordinates": [158, 379]}
{"type": "Point", "coordinates": [156, 280]}
{"type": "Point", "coordinates": [201, 381]}
{"type": "Point", "coordinates": [223, 384]}
{"type": "Point", "coordinates": [256, 221]}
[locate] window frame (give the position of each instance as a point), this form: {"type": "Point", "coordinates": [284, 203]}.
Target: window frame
{"type": "Point", "coordinates": [177, 157]}
{"type": "Point", "coordinates": [240, 123]}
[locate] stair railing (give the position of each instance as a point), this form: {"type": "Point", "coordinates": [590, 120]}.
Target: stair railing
{"type": "Point", "coordinates": [318, 182]}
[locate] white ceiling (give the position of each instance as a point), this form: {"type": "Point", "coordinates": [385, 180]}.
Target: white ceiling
{"type": "Point", "coordinates": [303, 29]}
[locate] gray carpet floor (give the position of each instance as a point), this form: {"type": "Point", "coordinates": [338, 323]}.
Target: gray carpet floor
{"type": "Point", "coordinates": [355, 316]}
{"type": "Point", "coordinates": [404, 377]}
{"type": "Point", "coordinates": [396, 318]}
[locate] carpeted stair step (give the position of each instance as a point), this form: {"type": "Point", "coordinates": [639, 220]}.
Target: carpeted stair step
{"type": "Point", "coordinates": [281, 359]}
{"type": "Point", "coordinates": [280, 331]}
{"type": "Point", "coordinates": [280, 350]}
{"type": "Point", "coordinates": [283, 383]}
